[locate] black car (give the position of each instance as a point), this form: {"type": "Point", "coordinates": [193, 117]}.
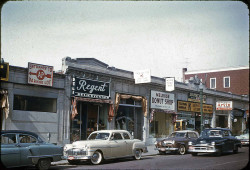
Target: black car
{"type": "Point", "coordinates": [214, 140]}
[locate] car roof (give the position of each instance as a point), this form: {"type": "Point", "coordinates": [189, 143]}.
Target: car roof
{"type": "Point", "coordinates": [218, 129]}
{"type": "Point", "coordinates": [19, 131]}
{"type": "Point", "coordinates": [185, 131]}
{"type": "Point", "coordinates": [110, 131]}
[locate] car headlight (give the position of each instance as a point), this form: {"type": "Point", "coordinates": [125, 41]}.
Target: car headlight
{"type": "Point", "coordinates": [212, 143]}
{"type": "Point", "coordinates": [155, 142]}
{"type": "Point", "coordinates": [190, 143]}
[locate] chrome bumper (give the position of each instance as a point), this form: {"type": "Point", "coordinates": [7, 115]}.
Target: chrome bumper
{"type": "Point", "coordinates": [203, 149]}
{"type": "Point", "coordinates": [166, 149]}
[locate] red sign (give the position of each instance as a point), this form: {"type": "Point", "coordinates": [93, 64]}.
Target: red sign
{"type": "Point", "coordinates": [40, 74]}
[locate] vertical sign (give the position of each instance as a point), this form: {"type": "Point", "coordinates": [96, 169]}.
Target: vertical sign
{"type": "Point", "coordinates": [40, 74]}
{"type": "Point", "coordinates": [142, 76]}
{"type": "Point", "coordinates": [170, 86]}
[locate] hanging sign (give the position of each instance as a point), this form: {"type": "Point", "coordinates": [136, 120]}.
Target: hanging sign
{"type": "Point", "coordinates": [193, 107]}
{"type": "Point", "coordinates": [90, 88]}
{"type": "Point", "coordinates": [224, 105]}
{"type": "Point", "coordinates": [161, 100]}
{"type": "Point", "coordinates": [40, 74]}
{"type": "Point", "coordinates": [170, 86]}
{"type": "Point", "coordinates": [142, 76]}
{"type": "Point", "coordinates": [195, 97]}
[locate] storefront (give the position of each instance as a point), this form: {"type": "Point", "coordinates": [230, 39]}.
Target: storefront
{"type": "Point", "coordinates": [190, 114]}
{"type": "Point", "coordinates": [129, 113]}
{"type": "Point", "coordinates": [162, 115]}
{"type": "Point", "coordinates": [92, 108]}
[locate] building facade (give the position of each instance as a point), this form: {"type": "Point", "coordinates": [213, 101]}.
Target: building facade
{"type": "Point", "coordinates": [89, 95]}
{"type": "Point", "coordinates": [231, 80]}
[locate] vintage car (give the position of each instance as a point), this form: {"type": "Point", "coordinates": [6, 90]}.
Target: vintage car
{"type": "Point", "coordinates": [104, 144]}
{"type": "Point", "coordinates": [176, 142]}
{"type": "Point", "coordinates": [244, 138]}
{"type": "Point", "coordinates": [214, 140]}
{"type": "Point", "coordinates": [22, 148]}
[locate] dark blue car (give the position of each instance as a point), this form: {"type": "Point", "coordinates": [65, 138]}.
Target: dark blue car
{"type": "Point", "coordinates": [215, 140]}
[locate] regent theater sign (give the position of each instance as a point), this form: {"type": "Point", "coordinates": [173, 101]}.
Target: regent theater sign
{"type": "Point", "coordinates": [194, 107]}
{"type": "Point", "coordinates": [90, 88]}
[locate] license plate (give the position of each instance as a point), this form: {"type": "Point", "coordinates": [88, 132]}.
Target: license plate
{"type": "Point", "coordinates": [71, 158]}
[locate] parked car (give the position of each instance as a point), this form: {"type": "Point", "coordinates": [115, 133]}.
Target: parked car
{"type": "Point", "coordinates": [104, 144]}
{"type": "Point", "coordinates": [244, 138]}
{"type": "Point", "coordinates": [176, 142]}
{"type": "Point", "coordinates": [23, 148]}
{"type": "Point", "coordinates": [215, 140]}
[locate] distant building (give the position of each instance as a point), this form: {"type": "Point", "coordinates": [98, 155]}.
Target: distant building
{"type": "Point", "coordinates": [232, 80]}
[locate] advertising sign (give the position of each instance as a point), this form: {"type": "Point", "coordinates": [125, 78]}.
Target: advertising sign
{"type": "Point", "coordinates": [161, 100]}
{"type": "Point", "coordinates": [224, 105]}
{"type": "Point", "coordinates": [90, 88]}
{"type": "Point", "coordinates": [40, 74]}
{"type": "Point", "coordinates": [170, 86]}
{"type": "Point", "coordinates": [194, 107]}
{"type": "Point", "coordinates": [195, 97]}
{"type": "Point", "coordinates": [142, 76]}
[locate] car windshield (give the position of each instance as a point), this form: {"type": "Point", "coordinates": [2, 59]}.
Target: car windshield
{"type": "Point", "coordinates": [211, 133]}
{"type": "Point", "coordinates": [178, 135]}
{"type": "Point", "coordinates": [98, 136]}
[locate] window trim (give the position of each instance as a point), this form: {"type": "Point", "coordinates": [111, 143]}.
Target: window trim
{"type": "Point", "coordinates": [214, 83]}
{"type": "Point", "coordinates": [224, 82]}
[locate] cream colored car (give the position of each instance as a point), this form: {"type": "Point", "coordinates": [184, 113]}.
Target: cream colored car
{"type": "Point", "coordinates": [104, 144]}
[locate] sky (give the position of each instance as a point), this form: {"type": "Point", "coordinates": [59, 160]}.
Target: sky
{"type": "Point", "coordinates": [163, 36]}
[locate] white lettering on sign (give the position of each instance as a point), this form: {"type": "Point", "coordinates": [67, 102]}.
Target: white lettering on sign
{"type": "Point", "coordinates": [84, 86]}
{"type": "Point", "coordinates": [161, 100]}
{"type": "Point", "coordinates": [224, 105]}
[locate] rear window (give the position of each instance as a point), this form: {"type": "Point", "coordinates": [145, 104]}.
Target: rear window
{"type": "Point", "coordinates": [8, 138]}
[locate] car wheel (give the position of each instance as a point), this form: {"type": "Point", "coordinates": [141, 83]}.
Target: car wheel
{"type": "Point", "coordinates": [194, 154]}
{"type": "Point", "coordinates": [218, 153]}
{"type": "Point", "coordinates": [162, 152]}
{"type": "Point", "coordinates": [182, 150]}
{"type": "Point", "coordinates": [235, 149]}
{"type": "Point", "coordinates": [96, 158]}
{"type": "Point", "coordinates": [73, 162]}
{"type": "Point", "coordinates": [137, 154]}
{"type": "Point", "coordinates": [43, 164]}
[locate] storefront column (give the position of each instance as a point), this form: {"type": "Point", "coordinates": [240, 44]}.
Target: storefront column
{"type": "Point", "coordinates": [213, 123]}
{"type": "Point", "coordinates": [230, 119]}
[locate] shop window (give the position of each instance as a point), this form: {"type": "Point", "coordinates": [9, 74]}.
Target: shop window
{"type": "Point", "coordinates": [30, 103]}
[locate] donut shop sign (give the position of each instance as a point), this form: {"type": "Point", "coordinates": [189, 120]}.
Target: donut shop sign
{"type": "Point", "coordinates": [40, 74]}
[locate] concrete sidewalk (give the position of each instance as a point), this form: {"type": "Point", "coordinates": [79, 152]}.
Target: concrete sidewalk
{"type": "Point", "coordinates": [150, 148]}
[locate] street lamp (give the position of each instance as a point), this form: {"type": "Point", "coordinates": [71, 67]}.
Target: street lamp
{"type": "Point", "coordinates": [201, 105]}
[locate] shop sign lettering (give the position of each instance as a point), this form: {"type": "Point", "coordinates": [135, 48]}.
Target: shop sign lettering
{"type": "Point", "coordinates": [195, 97]}
{"type": "Point", "coordinates": [90, 88]}
{"type": "Point", "coordinates": [161, 100]}
{"type": "Point", "coordinates": [224, 105]}
{"type": "Point", "coordinates": [40, 74]}
{"type": "Point", "coordinates": [194, 107]}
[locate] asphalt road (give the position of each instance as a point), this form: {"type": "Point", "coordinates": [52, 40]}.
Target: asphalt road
{"type": "Point", "coordinates": [228, 161]}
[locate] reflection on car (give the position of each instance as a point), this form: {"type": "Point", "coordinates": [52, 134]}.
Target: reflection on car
{"type": "Point", "coordinates": [176, 142]}
{"type": "Point", "coordinates": [104, 144]}
{"type": "Point", "coordinates": [22, 148]}
{"type": "Point", "coordinates": [214, 140]}
{"type": "Point", "coordinates": [244, 138]}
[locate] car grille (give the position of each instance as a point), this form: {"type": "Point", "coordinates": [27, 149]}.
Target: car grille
{"type": "Point", "coordinates": [75, 152]}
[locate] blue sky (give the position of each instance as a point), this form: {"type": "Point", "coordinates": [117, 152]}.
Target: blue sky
{"type": "Point", "coordinates": [163, 36]}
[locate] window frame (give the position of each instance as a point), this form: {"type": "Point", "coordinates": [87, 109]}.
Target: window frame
{"type": "Point", "coordinates": [224, 82]}
{"type": "Point", "coordinates": [214, 83]}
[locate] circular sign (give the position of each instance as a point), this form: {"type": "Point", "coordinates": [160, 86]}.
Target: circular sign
{"type": "Point", "coordinates": [40, 74]}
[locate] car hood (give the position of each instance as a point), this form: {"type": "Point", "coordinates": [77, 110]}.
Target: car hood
{"type": "Point", "coordinates": [245, 136]}
{"type": "Point", "coordinates": [88, 143]}
{"type": "Point", "coordinates": [208, 140]}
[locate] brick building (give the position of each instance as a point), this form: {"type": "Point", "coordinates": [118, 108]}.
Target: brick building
{"type": "Point", "coordinates": [232, 80]}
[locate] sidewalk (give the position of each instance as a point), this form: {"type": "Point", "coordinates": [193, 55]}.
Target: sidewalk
{"type": "Point", "coordinates": [150, 148]}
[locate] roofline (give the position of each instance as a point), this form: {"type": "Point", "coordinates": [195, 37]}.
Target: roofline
{"type": "Point", "coordinates": [217, 70]}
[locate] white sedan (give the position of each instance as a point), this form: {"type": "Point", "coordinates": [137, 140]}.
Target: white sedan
{"type": "Point", "coordinates": [104, 144]}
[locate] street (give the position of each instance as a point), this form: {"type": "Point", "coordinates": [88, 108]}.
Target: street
{"type": "Point", "coordinates": [172, 161]}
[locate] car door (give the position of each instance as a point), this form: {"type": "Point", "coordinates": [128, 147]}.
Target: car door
{"type": "Point", "coordinates": [227, 140]}
{"type": "Point", "coordinates": [129, 143]}
{"type": "Point", "coordinates": [118, 145]}
{"type": "Point", "coordinates": [10, 150]}
{"type": "Point", "coordinates": [28, 148]}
